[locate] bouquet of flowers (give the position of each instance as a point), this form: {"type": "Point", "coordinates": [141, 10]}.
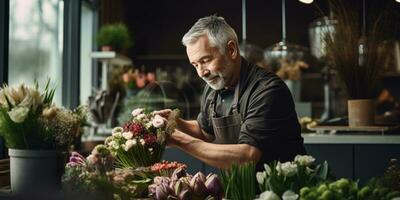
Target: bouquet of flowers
{"type": "Point", "coordinates": [29, 120]}
{"type": "Point", "coordinates": [286, 179]}
{"type": "Point", "coordinates": [141, 141]}
{"type": "Point", "coordinates": [95, 177]}
{"type": "Point", "coordinates": [183, 186]}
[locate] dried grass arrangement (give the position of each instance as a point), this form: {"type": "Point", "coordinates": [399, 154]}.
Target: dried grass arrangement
{"type": "Point", "coordinates": [357, 56]}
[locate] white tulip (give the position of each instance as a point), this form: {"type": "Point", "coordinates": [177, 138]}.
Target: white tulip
{"type": "Point", "coordinates": [287, 168]}
{"type": "Point", "coordinates": [268, 195]}
{"type": "Point", "coordinates": [290, 195]}
{"type": "Point", "coordinates": [267, 169]}
{"type": "Point", "coordinates": [304, 160]}
{"type": "Point", "coordinates": [18, 114]}
{"type": "Point", "coordinates": [261, 177]}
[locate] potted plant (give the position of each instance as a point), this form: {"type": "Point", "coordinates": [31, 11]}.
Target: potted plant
{"type": "Point", "coordinates": [36, 133]}
{"type": "Point", "coordinates": [358, 58]}
{"type": "Point", "coordinates": [114, 37]}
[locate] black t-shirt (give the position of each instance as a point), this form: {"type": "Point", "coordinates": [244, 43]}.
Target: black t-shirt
{"type": "Point", "coordinates": [267, 109]}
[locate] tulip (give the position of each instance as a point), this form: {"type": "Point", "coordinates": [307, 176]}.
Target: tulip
{"type": "Point", "coordinates": [152, 188]}
{"type": "Point", "coordinates": [198, 186]}
{"type": "Point", "coordinates": [178, 173]}
{"type": "Point", "coordinates": [158, 180]}
{"type": "Point", "coordinates": [181, 185]}
{"type": "Point", "coordinates": [201, 176]}
{"type": "Point", "coordinates": [185, 195]}
{"type": "Point", "coordinates": [163, 191]}
{"type": "Point", "coordinates": [214, 186]}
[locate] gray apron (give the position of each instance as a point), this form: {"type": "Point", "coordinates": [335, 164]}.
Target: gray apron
{"type": "Point", "coordinates": [226, 128]}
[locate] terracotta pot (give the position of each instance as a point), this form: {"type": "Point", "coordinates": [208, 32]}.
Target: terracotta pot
{"type": "Point", "coordinates": [106, 48]}
{"type": "Point", "coordinates": [361, 112]}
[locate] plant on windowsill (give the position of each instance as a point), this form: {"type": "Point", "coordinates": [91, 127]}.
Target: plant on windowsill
{"type": "Point", "coordinates": [36, 133]}
{"type": "Point", "coordinates": [115, 37]}
{"type": "Point", "coordinates": [358, 57]}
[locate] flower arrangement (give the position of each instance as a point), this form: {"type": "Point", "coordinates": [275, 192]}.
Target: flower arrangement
{"type": "Point", "coordinates": [358, 57]}
{"type": "Point", "coordinates": [239, 182]}
{"type": "Point", "coordinates": [183, 186]}
{"type": "Point", "coordinates": [166, 168]}
{"type": "Point", "coordinates": [135, 79]}
{"type": "Point", "coordinates": [141, 141]}
{"type": "Point", "coordinates": [95, 177]}
{"type": "Point", "coordinates": [288, 178]}
{"type": "Point", "coordinates": [29, 120]}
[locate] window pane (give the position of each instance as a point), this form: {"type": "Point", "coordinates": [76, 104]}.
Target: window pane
{"type": "Point", "coordinates": [87, 21]}
{"type": "Point", "coordinates": [35, 46]}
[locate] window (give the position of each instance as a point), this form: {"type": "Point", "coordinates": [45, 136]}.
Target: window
{"type": "Point", "coordinates": [88, 18]}
{"type": "Point", "coordinates": [36, 42]}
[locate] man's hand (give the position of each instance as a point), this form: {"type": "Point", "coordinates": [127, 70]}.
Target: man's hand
{"type": "Point", "coordinates": [163, 113]}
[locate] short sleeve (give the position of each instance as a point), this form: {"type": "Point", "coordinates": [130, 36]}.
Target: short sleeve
{"type": "Point", "coordinates": [270, 117]}
{"type": "Point", "coordinates": [203, 118]}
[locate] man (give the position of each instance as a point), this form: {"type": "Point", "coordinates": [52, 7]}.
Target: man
{"type": "Point", "coordinates": [246, 112]}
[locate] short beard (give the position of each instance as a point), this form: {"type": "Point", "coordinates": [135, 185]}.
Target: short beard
{"type": "Point", "coordinates": [222, 76]}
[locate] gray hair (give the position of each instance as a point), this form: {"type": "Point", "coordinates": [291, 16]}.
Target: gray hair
{"type": "Point", "coordinates": [218, 31]}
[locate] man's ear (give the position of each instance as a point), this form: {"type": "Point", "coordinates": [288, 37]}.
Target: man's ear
{"type": "Point", "coordinates": [233, 49]}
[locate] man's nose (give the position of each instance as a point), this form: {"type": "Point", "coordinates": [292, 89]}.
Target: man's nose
{"type": "Point", "coordinates": [202, 71]}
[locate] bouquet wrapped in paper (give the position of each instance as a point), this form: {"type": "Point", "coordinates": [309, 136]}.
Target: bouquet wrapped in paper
{"type": "Point", "coordinates": [141, 141]}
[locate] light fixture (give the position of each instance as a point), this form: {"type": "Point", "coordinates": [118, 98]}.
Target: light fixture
{"type": "Point", "coordinates": [310, 1]}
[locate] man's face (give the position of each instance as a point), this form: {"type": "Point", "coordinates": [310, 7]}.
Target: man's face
{"type": "Point", "coordinates": [211, 65]}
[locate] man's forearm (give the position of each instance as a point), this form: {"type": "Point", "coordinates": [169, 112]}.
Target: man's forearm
{"type": "Point", "coordinates": [216, 155]}
{"type": "Point", "coordinates": [191, 127]}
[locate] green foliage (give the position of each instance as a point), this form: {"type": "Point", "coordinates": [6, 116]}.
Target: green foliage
{"type": "Point", "coordinates": [390, 179]}
{"type": "Point", "coordinates": [115, 35]}
{"type": "Point", "coordinates": [239, 182]}
{"type": "Point", "coordinates": [345, 189]}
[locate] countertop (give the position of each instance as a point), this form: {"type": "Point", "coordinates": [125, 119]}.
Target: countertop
{"type": "Point", "coordinates": [312, 138]}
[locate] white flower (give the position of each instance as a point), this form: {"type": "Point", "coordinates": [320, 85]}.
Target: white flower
{"type": "Point", "coordinates": [148, 125]}
{"type": "Point", "coordinates": [129, 144]}
{"type": "Point", "coordinates": [261, 177]}
{"type": "Point", "coordinates": [127, 135]}
{"type": "Point", "coordinates": [158, 121]}
{"type": "Point", "coordinates": [117, 130]}
{"type": "Point", "coordinates": [268, 195]}
{"type": "Point", "coordinates": [267, 169]}
{"type": "Point", "coordinates": [117, 134]}
{"type": "Point", "coordinates": [305, 160]}
{"type": "Point", "coordinates": [287, 168]}
{"type": "Point", "coordinates": [137, 111]}
{"type": "Point", "coordinates": [114, 145]}
{"type": "Point", "coordinates": [18, 114]}
{"type": "Point", "coordinates": [140, 116]}
{"type": "Point", "coordinates": [142, 142]}
{"type": "Point", "coordinates": [22, 96]}
{"type": "Point", "coordinates": [289, 195]}
{"type": "Point", "coordinates": [151, 149]}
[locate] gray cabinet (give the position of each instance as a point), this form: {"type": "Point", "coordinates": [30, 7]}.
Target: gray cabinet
{"type": "Point", "coordinates": [356, 161]}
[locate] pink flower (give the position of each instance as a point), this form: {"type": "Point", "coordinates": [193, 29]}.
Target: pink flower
{"type": "Point", "coordinates": [137, 111]}
{"type": "Point", "coordinates": [158, 121]}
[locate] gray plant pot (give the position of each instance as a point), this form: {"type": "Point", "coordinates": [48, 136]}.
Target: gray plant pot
{"type": "Point", "coordinates": [35, 170]}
